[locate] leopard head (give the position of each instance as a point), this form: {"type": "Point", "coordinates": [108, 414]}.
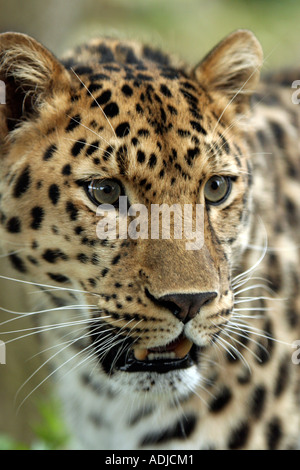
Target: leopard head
{"type": "Point", "coordinates": [83, 132]}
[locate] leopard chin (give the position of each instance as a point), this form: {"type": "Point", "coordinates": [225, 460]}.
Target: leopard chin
{"type": "Point", "coordinates": [168, 386]}
{"type": "Point", "coordinates": [170, 372]}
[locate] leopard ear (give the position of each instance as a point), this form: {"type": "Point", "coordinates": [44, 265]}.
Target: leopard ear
{"type": "Point", "coordinates": [232, 67]}
{"type": "Point", "coordinates": [30, 74]}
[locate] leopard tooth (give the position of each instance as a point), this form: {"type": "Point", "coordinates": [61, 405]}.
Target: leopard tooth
{"type": "Point", "coordinates": [160, 356]}
{"type": "Point", "coordinates": [140, 354]}
{"type": "Point", "coordinates": [183, 348]}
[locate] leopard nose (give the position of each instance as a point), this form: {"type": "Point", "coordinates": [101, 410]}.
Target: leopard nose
{"type": "Point", "coordinates": [186, 306]}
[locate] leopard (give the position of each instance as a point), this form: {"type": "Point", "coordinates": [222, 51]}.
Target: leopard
{"type": "Point", "coordinates": [151, 345]}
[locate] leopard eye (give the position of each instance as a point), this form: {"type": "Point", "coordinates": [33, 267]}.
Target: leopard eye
{"type": "Point", "coordinates": [217, 189]}
{"type": "Point", "coordinates": [104, 191]}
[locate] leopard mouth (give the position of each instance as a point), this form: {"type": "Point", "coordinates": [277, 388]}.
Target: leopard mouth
{"type": "Point", "coordinates": [176, 355]}
{"type": "Point", "coordinates": [181, 353]}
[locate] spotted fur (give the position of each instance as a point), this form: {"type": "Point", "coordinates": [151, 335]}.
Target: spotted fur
{"type": "Point", "coordinates": [121, 110]}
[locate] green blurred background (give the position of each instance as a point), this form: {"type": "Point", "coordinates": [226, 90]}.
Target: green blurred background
{"type": "Point", "coordinates": [188, 28]}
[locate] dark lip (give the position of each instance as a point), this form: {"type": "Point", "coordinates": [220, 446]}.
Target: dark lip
{"type": "Point", "coordinates": [115, 360]}
{"type": "Point", "coordinates": [161, 366]}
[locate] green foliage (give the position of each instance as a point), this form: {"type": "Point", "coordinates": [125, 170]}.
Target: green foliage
{"type": "Point", "coordinates": [50, 432]}
{"type": "Point", "coordinates": [6, 443]}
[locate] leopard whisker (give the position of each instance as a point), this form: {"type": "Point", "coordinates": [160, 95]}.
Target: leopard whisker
{"type": "Point", "coordinates": [20, 315]}
{"type": "Point", "coordinates": [43, 329]}
{"type": "Point", "coordinates": [255, 309]}
{"type": "Point", "coordinates": [15, 252]}
{"type": "Point", "coordinates": [258, 332]}
{"type": "Point", "coordinates": [82, 142]}
{"type": "Point", "coordinates": [123, 347]}
{"type": "Point", "coordinates": [237, 330]}
{"type": "Point", "coordinates": [112, 339]}
{"type": "Point", "coordinates": [52, 373]}
{"type": "Point", "coordinates": [252, 317]}
{"type": "Point", "coordinates": [58, 352]}
{"type": "Point", "coordinates": [69, 289]}
{"type": "Point", "coordinates": [43, 351]}
{"type": "Point", "coordinates": [242, 300]}
{"type": "Point", "coordinates": [236, 351]}
{"type": "Point", "coordinates": [274, 249]}
{"type": "Point", "coordinates": [229, 103]}
{"type": "Point", "coordinates": [240, 332]}
{"type": "Point", "coordinates": [176, 404]}
{"type": "Point", "coordinates": [250, 278]}
{"type": "Point", "coordinates": [242, 275]}
{"type": "Point", "coordinates": [102, 353]}
{"type": "Point", "coordinates": [194, 392]}
{"type": "Point", "coordinates": [91, 94]}
{"type": "Point", "coordinates": [128, 346]}
{"type": "Point", "coordinates": [256, 286]}
{"type": "Point", "coordinates": [87, 128]}
{"type": "Point", "coordinates": [72, 332]}
{"type": "Point", "coordinates": [119, 353]}
{"type": "Point", "coordinates": [89, 356]}
{"type": "Point", "coordinates": [225, 332]}
{"type": "Point", "coordinates": [37, 370]}
{"type": "Point", "coordinates": [236, 121]}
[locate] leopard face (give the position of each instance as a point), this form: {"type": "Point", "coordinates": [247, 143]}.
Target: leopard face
{"type": "Point", "coordinates": [161, 135]}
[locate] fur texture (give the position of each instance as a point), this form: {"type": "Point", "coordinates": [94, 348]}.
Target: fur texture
{"type": "Point", "coordinates": [128, 113]}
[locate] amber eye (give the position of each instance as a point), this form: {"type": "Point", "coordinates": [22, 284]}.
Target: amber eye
{"type": "Point", "coordinates": [104, 191]}
{"type": "Point", "coordinates": [217, 189]}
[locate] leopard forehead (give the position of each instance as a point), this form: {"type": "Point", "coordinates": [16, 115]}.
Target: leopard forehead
{"type": "Point", "coordinates": [149, 113]}
{"type": "Point", "coordinates": [132, 113]}
{"type": "Point", "coordinates": [154, 129]}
